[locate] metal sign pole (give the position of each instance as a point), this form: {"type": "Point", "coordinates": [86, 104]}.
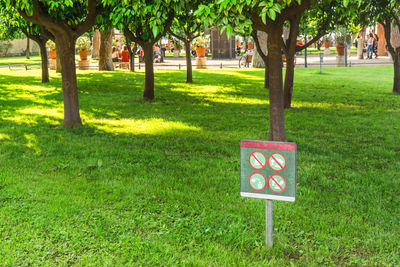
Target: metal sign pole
{"type": "Point", "coordinates": [305, 50]}
{"type": "Point", "coordinates": [269, 229]}
{"type": "Point", "coordinates": [320, 62]}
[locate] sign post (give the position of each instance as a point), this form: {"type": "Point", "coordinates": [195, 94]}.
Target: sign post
{"type": "Point", "coordinates": [268, 171]}
{"type": "Point", "coordinates": [321, 60]}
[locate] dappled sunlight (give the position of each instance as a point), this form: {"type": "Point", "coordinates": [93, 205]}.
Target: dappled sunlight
{"type": "Point", "coordinates": [324, 105]}
{"type": "Point", "coordinates": [32, 142]}
{"type": "Point", "coordinates": [54, 113]}
{"type": "Point", "coordinates": [4, 136]}
{"type": "Point", "coordinates": [217, 94]}
{"type": "Point", "coordinates": [240, 74]}
{"type": "Point", "coordinates": [32, 115]}
{"type": "Point", "coordinates": [151, 126]}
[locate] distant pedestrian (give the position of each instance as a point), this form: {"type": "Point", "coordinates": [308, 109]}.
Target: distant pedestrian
{"type": "Point", "coordinates": [375, 45]}
{"type": "Point", "coordinates": [115, 57]}
{"type": "Point", "coordinates": [370, 44]}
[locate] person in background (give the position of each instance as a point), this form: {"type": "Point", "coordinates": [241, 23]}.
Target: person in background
{"type": "Point", "coordinates": [115, 57]}
{"type": "Point", "coordinates": [375, 45]}
{"type": "Point", "coordinates": [349, 44]}
{"type": "Point", "coordinates": [125, 54]}
{"type": "Point", "coordinates": [370, 44]}
{"type": "Point", "coordinates": [238, 50]}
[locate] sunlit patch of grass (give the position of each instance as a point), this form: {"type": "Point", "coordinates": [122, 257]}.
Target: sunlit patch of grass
{"type": "Point", "coordinates": [151, 126]}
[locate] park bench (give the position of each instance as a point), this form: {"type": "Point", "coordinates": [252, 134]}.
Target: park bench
{"type": "Point", "coordinates": [33, 66]}
{"type": "Point", "coordinates": [122, 65]}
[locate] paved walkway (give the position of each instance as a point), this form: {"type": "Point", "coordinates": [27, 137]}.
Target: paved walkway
{"type": "Point", "coordinates": [312, 60]}
{"type": "Point", "coordinates": [180, 63]}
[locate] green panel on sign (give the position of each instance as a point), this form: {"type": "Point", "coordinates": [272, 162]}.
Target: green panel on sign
{"type": "Point", "coordinates": [268, 173]}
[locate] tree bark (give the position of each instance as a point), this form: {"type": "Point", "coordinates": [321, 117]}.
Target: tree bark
{"type": "Point", "coordinates": [96, 44]}
{"type": "Point", "coordinates": [262, 53]}
{"type": "Point", "coordinates": [393, 47]}
{"type": "Point", "coordinates": [132, 54]}
{"type": "Point", "coordinates": [189, 75]}
{"type": "Point", "coordinates": [59, 55]}
{"type": "Point", "coordinates": [396, 81]}
{"type": "Point", "coordinates": [258, 61]}
{"type": "Point", "coordinates": [148, 93]}
{"type": "Point", "coordinates": [105, 54]}
{"type": "Point", "coordinates": [45, 65]}
{"type": "Point", "coordinates": [290, 53]}
{"type": "Point", "coordinates": [360, 44]}
{"type": "Point", "coordinates": [66, 47]}
{"type": "Point", "coordinates": [266, 76]}
{"type": "Point", "coordinates": [289, 78]}
{"type": "Point", "coordinates": [28, 48]}
{"type": "Point", "coordinates": [277, 119]}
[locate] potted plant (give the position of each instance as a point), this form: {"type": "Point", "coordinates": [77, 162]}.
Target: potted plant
{"type": "Point", "coordinates": [340, 43]}
{"type": "Point", "coordinates": [327, 41]}
{"type": "Point", "coordinates": [250, 45]}
{"type": "Point", "coordinates": [201, 44]}
{"type": "Point", "coordinates": [83, 45]}
{"type": "Point", "coordinates": [177, 47]}
{"type": "Point", "coordinates": [52, 46]}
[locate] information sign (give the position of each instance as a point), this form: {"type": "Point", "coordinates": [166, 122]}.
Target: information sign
{"type": "Point", "coordinates": [268, 170]}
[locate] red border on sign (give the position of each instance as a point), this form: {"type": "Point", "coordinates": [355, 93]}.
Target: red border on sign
{"type": "Point", "coordinates": [265, 179]}
{"type": "Point", "coordinates": [268, 145]}
{"type": "Point", "coordinates": [283, 167]}
{"type": "Point", "coordinates": [263, 166]}
{"type": "Point", "coordinates": [271, 177]}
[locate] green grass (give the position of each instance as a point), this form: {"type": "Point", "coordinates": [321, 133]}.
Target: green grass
{"type": "Point", "coordinates": [158, 183]}
{"type": "Point", "coordinates": [4, 61]}
{"type": "Point", "coordinates": [332, 50]}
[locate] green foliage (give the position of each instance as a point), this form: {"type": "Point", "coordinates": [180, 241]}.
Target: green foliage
{"type": "Point", "coordinates": [73, 12]}
{"type": "Point", "coordinates": [51, 45]}
{"type": "Point", "coordinates": [83, 43]}
{"type": "Point", "coordinates": [202, 41]}
{"type": "Point", "coordinates": [187, 25]}
{"type": "Point", "coordinates": [342, 36]}
{"type": "Point", "coordinates": [370, 12]}
{"type": "Point", "coordinates": [147, 18]}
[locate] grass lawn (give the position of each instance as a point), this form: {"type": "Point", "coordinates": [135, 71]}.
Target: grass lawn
{"type": "Point", "coordinates": [332, 51]}
{"type": "Point", "coordinates": [158, 183]}
{"type": "Point", "coordinates": [4, 61]}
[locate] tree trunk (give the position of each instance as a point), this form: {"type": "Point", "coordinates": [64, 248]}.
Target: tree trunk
{"type": "Point", "coordinates": [45, 66]}
{"type": "Point", "coordinates": [277, 120]}
{"type": "Point", "coordinates": [59, 55]}
{"type": "Point", "coordinates": [96, 45]}
{"type": "Point", "coordinates": [148, 93]}
{"type": "Point", "coordinates": [28, 48]}
{"type": "Point", "coordinates": [290, 54]}
{"type": "Point", "coordinates": [266, 76]}
{"type": "Point", "coordinates": [105, 54]}
{"type": "Point", "coordinates": [258, 62]}
{"type": "Point", "coordinates": [289, 78]}
{"type": "Point", "coordinates": [189, 76]}
{"type": "Point", "coordinates": [66, 47]}
{"type": "Point", "coordinates": [396, 81]}
{"type": "Point", "coordinates": [360, 44]}
{"type": "Point", "coordinates": [132, 55]}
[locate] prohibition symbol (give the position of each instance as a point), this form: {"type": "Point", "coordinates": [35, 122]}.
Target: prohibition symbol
{"type": "Point", "coordinates": [257, 181]}
{"type": "Point", "coordinates": [277, 162]}
{"type": "Point", "coordinates": [257, 160]}
{"type": "Point", "coordinates": [277, 183]}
